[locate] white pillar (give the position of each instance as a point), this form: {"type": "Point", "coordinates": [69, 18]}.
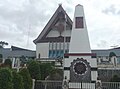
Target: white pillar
{"type": "Point", "coordinates": [33, 83]}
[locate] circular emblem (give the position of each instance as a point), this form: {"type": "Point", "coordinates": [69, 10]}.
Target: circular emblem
{"type": "Point", "coordinates": [80, 66]}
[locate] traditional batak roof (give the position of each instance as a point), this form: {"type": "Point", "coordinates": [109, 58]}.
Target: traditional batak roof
{"type": "Point", "coordinates": [60, 12]}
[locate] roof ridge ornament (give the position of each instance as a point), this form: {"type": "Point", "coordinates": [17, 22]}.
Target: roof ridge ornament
{"type": "Point", "coordinates": [60, 4]}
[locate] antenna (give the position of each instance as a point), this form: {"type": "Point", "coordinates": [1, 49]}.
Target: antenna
{"type": "Point", "coordinates": [28, 36]}
{"type": "Point", "coordinates": [114, 46]}
{"type": "Point", "coordinates": [29, 27]}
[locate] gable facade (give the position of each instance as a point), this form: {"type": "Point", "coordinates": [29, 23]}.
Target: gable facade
{"type": "Point", "coordinates": [50, 42]}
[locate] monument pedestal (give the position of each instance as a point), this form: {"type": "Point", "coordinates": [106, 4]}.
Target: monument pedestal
{"type": "Point", "coordinates": [80, 67]}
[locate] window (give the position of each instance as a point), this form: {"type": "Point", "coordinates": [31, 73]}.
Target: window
{"type": "Point", "coordinates": [79, 22]}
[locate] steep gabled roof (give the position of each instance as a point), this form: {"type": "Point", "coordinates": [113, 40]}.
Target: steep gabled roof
{"type": "Point", "coordinates": [52, 22]}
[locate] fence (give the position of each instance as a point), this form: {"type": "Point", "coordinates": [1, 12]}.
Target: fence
{"type": "Point", "coordinates": [42, 84]}
{"type": "Point", "coordinates": [110, 85]}
{"type": "Point", "coordinates": [81, 85]}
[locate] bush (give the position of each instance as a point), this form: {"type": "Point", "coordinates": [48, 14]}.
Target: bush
{"type": "Point", "coordinates": [115, 78]}
{"type": "Point", "coordinates": [112, 54]}
{"type": "Point", "coordinates": [56, 74]}
{"type": "Point", "coordinates": [45, 69]}
{"type": "Point", "coordinates": [17, 81]}
{"type": "Point", "coordinates": [8, 63]}
{"type": "Point", "coordinates": [34, 69]}
{"type": "Point", "coordinates": [27, 80]}
{"type": "Point", "coordinates": [6, 79]}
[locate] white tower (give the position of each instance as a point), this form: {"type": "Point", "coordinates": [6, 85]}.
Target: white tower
{"type": "Point", "coordinates": [79, 64]}
{"type": "Point", "coordinates": [79, 42]}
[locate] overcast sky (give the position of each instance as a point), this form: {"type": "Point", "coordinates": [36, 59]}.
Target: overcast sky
{"type": "Point", "coordinates": [21, 21]}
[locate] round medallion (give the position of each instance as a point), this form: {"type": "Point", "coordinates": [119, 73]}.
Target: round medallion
{"type": "Point", "coordinates": [80, 68]}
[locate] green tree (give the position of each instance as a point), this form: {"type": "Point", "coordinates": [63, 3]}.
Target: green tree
{"type": "Point", "coordinates": [45, 69]}
{"type": "Point", "coordinates": [8, 63]}
{"type": "Point", "coordinates": [112, 54]}
{"type": "Point", "coordinates": [56, 74]}
{"type": "Point", "coordinates": [23, 60]}
{"type": "Point", "coordinates": [17, 81]}
{"type": "Point", "coordinates": [6, 79]}
{"type": "Point", "coordinates": [27, 80]}
{"type": "Point", "coordinates": [34, 69]}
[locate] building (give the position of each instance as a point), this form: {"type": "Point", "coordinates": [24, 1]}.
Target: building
{"type": "Point", "coordinates": [54, 41]}
{"type": "Point", "coordinates": [108, 62]}
{"type": "Point", "coordinates": [50, 42]}
{"type": "Point", "coordinates": [15, 53]}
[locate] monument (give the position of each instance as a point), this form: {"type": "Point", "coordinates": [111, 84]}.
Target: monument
{"type": "Point", "coordinates": [80, 64]}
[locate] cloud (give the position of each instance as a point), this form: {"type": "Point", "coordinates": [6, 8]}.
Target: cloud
{"type": "Point", "coordinates": [102, 43]}
{"type": "Point", "coordinates": [21, 21]}
{"type": "Point", "coordinates": [112, 9]}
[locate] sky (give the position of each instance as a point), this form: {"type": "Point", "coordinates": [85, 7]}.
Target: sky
{"type": "Point", "coordinates": [21, 21]}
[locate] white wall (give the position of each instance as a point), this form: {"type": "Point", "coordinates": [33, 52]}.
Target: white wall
{"type": "Point", "coordinates": [66, 33]}
{"type": "Point", "coordinates": [43, 49]}
{"type": "Point", "coordinates": [114, 60]}
{"type": "Point", "coordinates": [53, 33]}
{"type": "Point", "coordinates": [94, 75]}
{"type": "Point", "coordinates": [67, 73]}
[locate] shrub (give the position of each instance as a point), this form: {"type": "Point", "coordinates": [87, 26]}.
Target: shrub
{"type": "Point", "coordinates": [34, 69]}
{"type": "Point", "coordinates": [27, 80]}
{"type": "Point", "coordinates": [112, 54]}
{"type": "Point", "coordinates": [45, 69]}
{"type": "Point", "coordinates": [6, 79]}
{"type": "Point", "coordinates": [56, 74]}
{"type": "Point", "coordinates": [17, 81]}
{"type": "Point", "coordinates": [115, 78]}
{"type": "Point", "coordinates": [8, 63]}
